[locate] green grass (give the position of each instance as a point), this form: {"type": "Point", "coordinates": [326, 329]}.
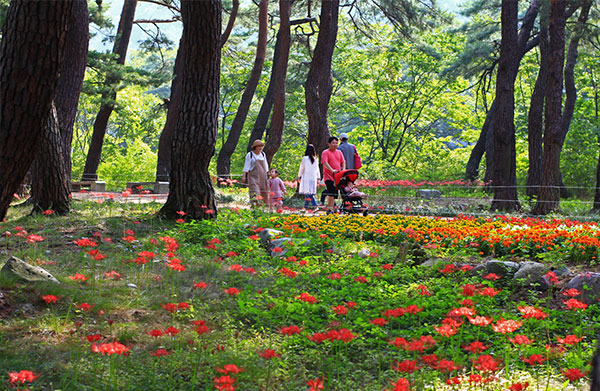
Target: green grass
{"type": "Point", "coordinates": [51, 339]}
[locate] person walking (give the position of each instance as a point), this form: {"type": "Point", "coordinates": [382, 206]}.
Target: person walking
{"type": "Point", "coordinates": [255, 172]}
{"type": "Point", "coordinates": [333, 162]}
{"type": "Point", "coordinates": [348, 150]}
{"type": "Point", "coordinates": [309, 175]}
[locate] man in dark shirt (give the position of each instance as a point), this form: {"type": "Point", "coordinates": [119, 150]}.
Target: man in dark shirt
{"type": "Point", "coordinates": [347, 150]}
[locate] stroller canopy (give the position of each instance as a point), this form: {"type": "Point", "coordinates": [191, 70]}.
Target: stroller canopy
{"type": "Point", "coordinates": [351, 175]}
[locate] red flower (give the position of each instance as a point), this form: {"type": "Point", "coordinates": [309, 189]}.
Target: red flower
{"type": "Point", "coordinates": [171, 307]}
{"type": "Point", "coordinates": [288, 272]}
{"type": "Point", "coordinates": [506, 326]}
{"type": "Point", "coordinates": [156, 333]}
{"type": "Point", "coordinates": [551, 277]}
{"type": "Point", "coordinates": [398, 342]}
{"type": "Point", "coordinates": [290, 330]}
{"type": "Point", "coordinates": [486, 363]}
{"type": "Point", "coordinates": [489, 291]}
{"type": "Point", "coordinates": [475, 347]}
{"type": "Point", "coordinates": [573, 374]}
{"type": "Point", "coordinates": [350, 304]}
{"type": "Point", "coordinates": [232, 291]}
{"type": "Point", "coordinates": [85, 242]}
{"type": "Point", "coordinates": [519, 386]}
{"type": "Point", "coordinates": [315, 384]}
{"type": "Point", "coordinates": [340, 310]}
{"type": "Point", "coordinates": [172, 331]}
{"type": "Point", "coordinates": [532, 312]}
{"type": "Point", "coordinates": [200, 285]}
{"type": "Point", "coordinates": [334, 276]}
{"type": "Point", "coordinates": [304, 296]}
{"type": "Point", "coordinates": [480, 321]}
{"type": "Point", "coordinates": [468, 290]}
{"type": "Point", "coordinates": [361, 279]}
{"type": "Point", "coordinates": [447, 366]}
{"type": "Point", "coordinates": [22, 377]}
{"type": "Point", "coordinates": [268, 354]}
{"type": "Point", "coordinates": [84, 306]}
{"type": "Point", "coordinates": [50, 299]}
{"type": "Point", "coordinates": [401, 384]}
{"type": "Point", "coordinates": [462, 311]}
{"type": "Point", "coordinates": [533, 359]}
{"type": "Point", "coordinates": [446, 330]}
{"type": "Point", "coordinates": [571, 292]}
{"type": "Point", "coordinates": [160, 352]}
{"type": "Point", "coordinates": [492, 277]}
{"type": "Point", "coordinates": [32, 238]}
{"type": "Point", "coordinates": [521, 339]}
{"type": "Point", "coordinates": [94, 337]}
{"type": "Point", "coordinates": [569, 339]}
{"type": "Point", "coordinates": [78, 277]}
{"type": "Point", "coordinates": [224, 383]}
{"type": "Point", "coordinates": [406, 366]}
{"type": "Point", "coordinates": [449, 268]}
{"type": "Point", "coordinates": [110, 348]}
{"type": "Point", "coordinates": [230, 368]}
{"type": "Point", "coordinates": [574, 304]}
{"type": "Point", "coordinates": [379, 321]}
{"type": "Point", "coordinates": [47, 212]}
{"type": "Point", "coordinates": [112, 275]}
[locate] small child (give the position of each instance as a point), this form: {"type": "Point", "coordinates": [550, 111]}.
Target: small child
{"type": "Point", "coordinates": [352, 191]}
{"type": "Point", "coordinates": [276, 189]}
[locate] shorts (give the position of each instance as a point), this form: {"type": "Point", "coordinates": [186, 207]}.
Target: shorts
{"type": "Point", "coordinates": [331, 189]}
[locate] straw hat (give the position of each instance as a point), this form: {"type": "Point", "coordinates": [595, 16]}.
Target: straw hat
{"type": "Point", "coordinates": [257, 143]}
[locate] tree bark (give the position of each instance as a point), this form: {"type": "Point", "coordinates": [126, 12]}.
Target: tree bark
{"type": "Point", "coordinates": [503, 167]}
{"type": "Point", "coordinates": [536, 116]}
{"type": "Point", "coordinates": [228, 148]}
{"type": "Point", "coordinates": [165, 142]}
{"type": "Point", "coordinates": [90, 171]}
{"type": "Point", "coordinates": [191, 189]}
{"type": "Point", "coordinates": [549, 195]}
{"type": "Point", "coordinates": [72, 73]}
{"type": "Point", "coordinates": [31, 52]}
{"type": "Point", "coordinates": [276, 127]}
{"type": "Point", "coordinates": [49, 180]}
{"type": "Point", "coordinates": [319, 81]}
{"type": "Point", "coordinates": [260, 125]}
{"type": "Point", "coordinates": [485, 142]}
{"type": "Point", "coordinates": [230, 22]}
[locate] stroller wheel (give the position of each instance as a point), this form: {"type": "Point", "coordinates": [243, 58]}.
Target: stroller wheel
{"type": "Point", "coordinates": [365, 213]}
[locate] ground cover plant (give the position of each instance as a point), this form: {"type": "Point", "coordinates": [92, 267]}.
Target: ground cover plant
{"type": "Point", "coordinates": [185, 305]}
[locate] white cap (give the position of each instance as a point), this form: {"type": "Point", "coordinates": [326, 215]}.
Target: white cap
{"type": "Point", "coordinates": [343, 136]}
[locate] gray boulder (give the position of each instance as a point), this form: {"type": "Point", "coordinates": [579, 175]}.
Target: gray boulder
{"type": "Point", "coordinates": [589, 284]}
{"type": "Point", "coordinates": [432, 262]}
{"type": "Point", "coordinates": [428, 194]}
{"type": "Point", "coordinates": [16, 267]}
{"type": "Point", "coordinates": [530, 273]}
{"type": "Point", "coordinates": [267, 234]}
{"type": "Point", "coordinates": [278, 243]}
{"type": "Point", "coordinates": [364, 253]}
{"type": "Point", "coordinates": [501, 268]}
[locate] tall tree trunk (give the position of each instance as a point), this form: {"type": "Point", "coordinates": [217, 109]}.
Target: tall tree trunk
{"type": "Point", "coordinates": [224, 158]}
{"type": "Point", "coordinates": [485, 141]}
{"type": "Point", "coordinates": [549, 196]}
{"type": "Point", "coordinates": [191, 189]}
{"type": "Point", "coordinates": [472, 171]}
{"type": "Point", "coordinates": [276, 127]}
{"type": "Point", "coordinates": [72, 73]}
{"type": "Point", "coordinates": [536, 113]}
{"type": "Point", "coordinates": [503, 168]}
{"type": "Point", "coordinates": [31, 52]}
{"type": "Point", "coordinates": [570, 88]}
{"type": "Point", "coordinates": [165, 142]}
{"type": "Point", "coordinates": [319, 81]}
{"type": "Point", "coordinates": [92, 161]}
{"type": "Point", "coordinates": [231, 22]}
{"type": "Point", "coordinates": [262, 119]}
{"type": "Point", "coordinates": [49, 181]}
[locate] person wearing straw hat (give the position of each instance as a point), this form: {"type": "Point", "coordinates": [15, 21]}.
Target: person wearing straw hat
{"type": "Point", "coordinates": [255, 173]}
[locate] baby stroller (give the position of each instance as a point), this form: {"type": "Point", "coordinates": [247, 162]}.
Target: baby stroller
{"type": "Point", "coordinates": [350, 203]}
